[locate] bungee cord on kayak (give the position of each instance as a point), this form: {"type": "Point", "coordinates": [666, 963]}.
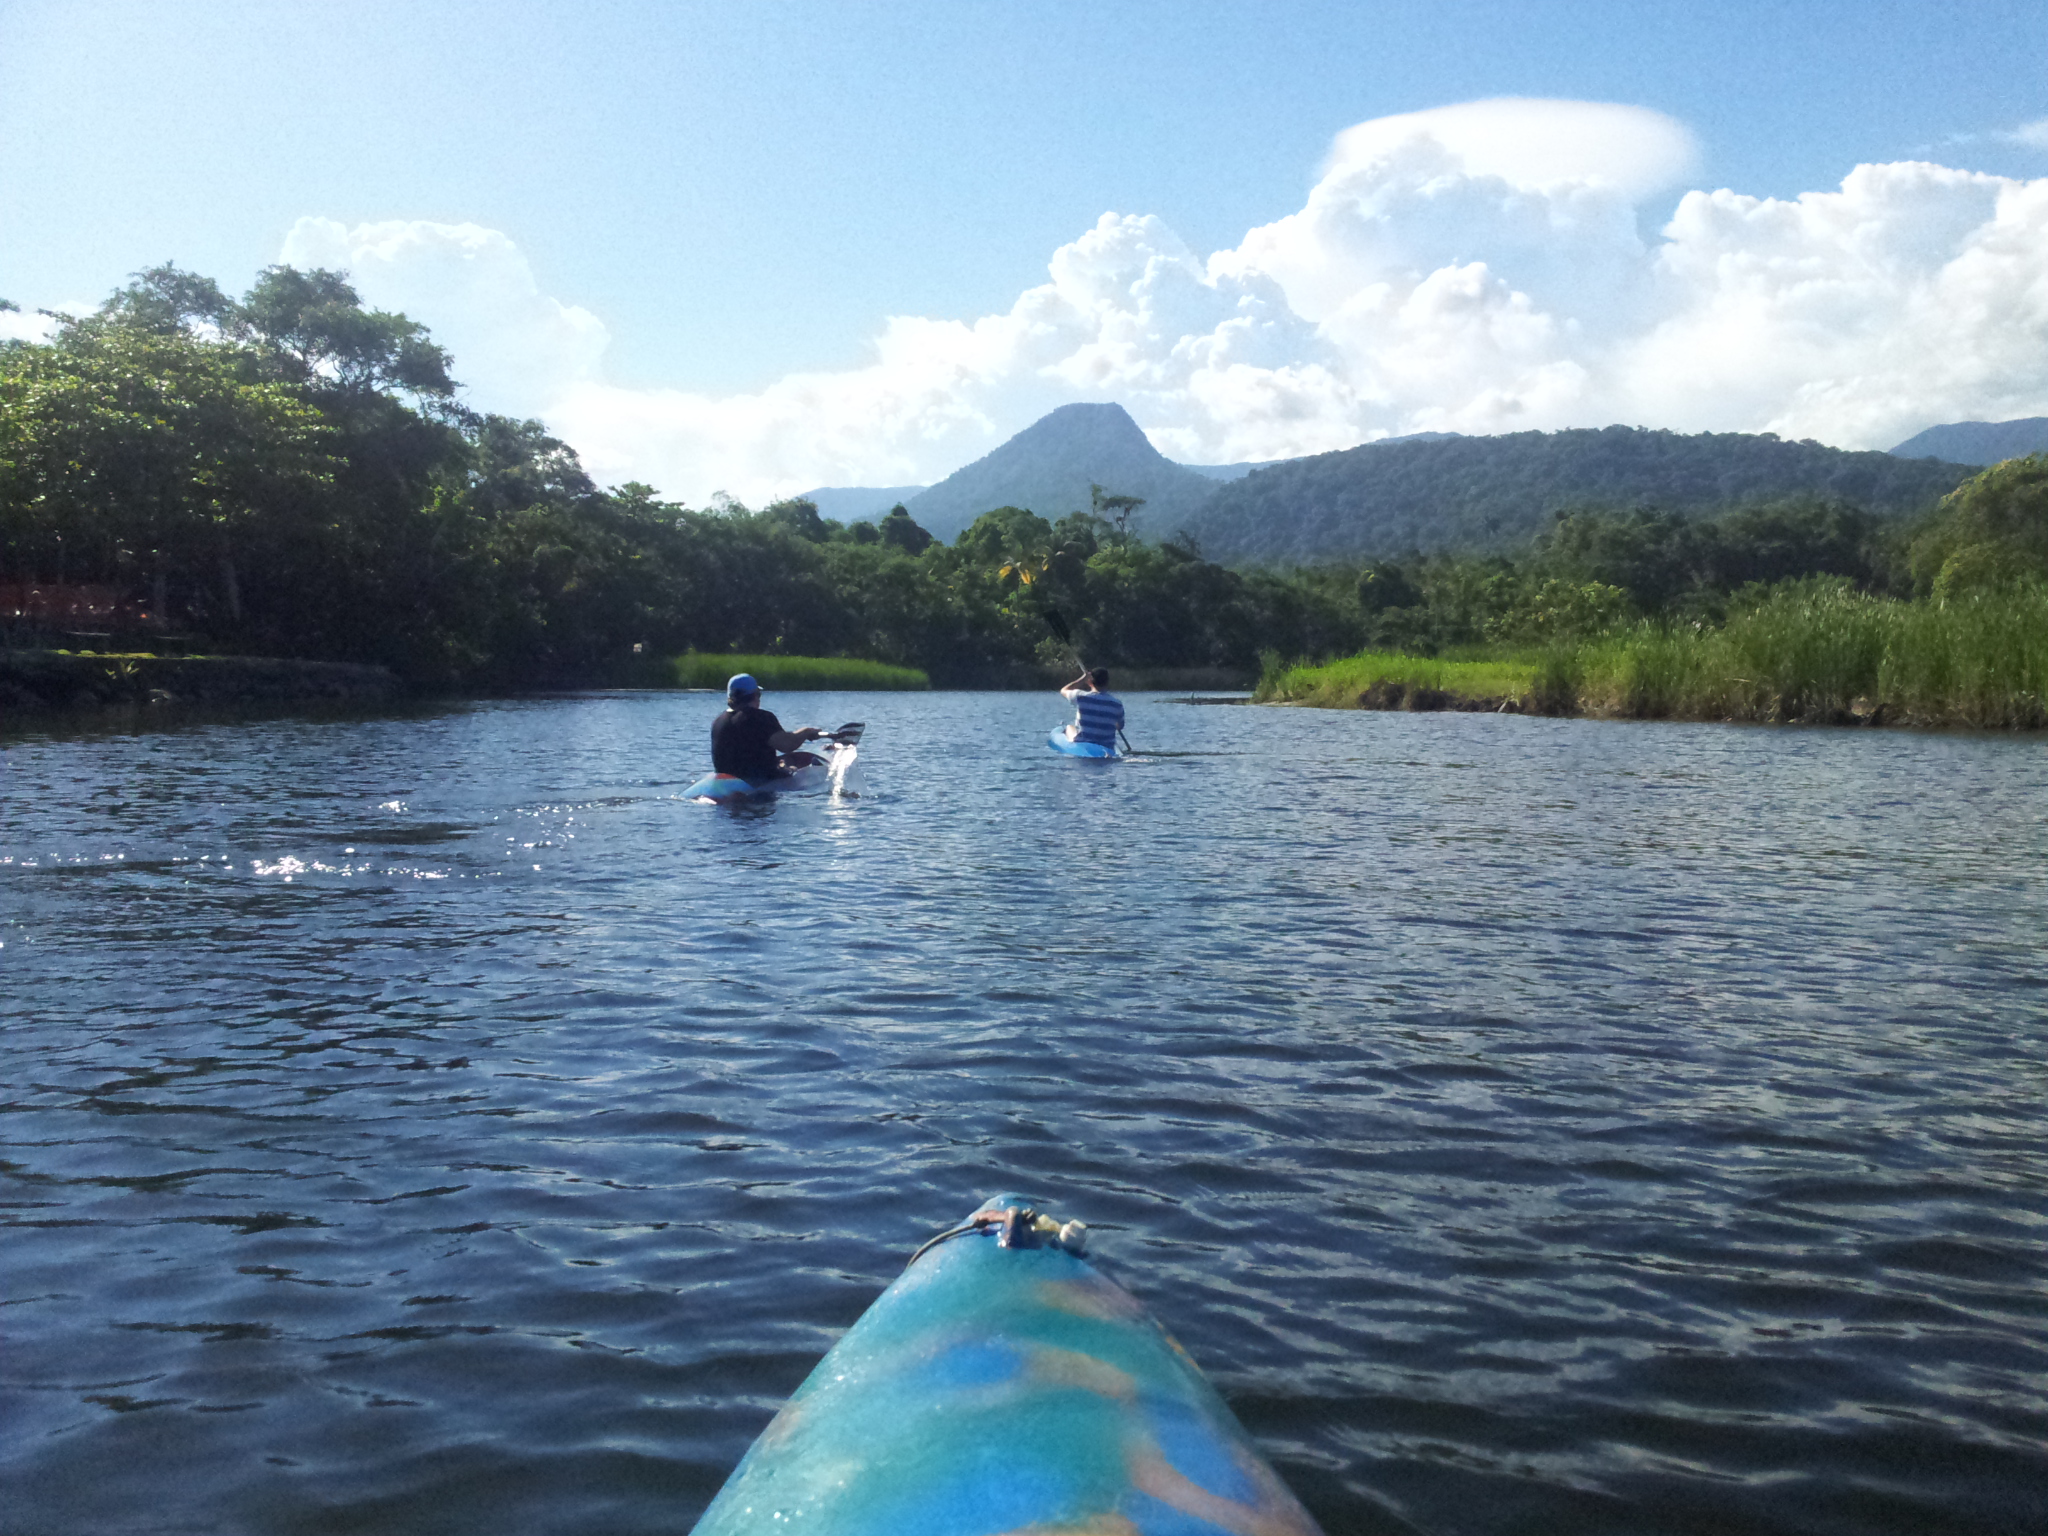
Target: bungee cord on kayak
{"type": "Point", "coordinates": [1018, 1226]}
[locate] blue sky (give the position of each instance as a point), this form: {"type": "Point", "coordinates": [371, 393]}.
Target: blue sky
{"type": "Point", "coordinates": [738, 192]}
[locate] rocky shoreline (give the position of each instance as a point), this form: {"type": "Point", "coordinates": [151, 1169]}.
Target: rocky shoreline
{"type": "Point", "coordinates": [61, 682]}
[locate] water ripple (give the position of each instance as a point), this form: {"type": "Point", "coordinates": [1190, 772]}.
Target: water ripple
{"type": "Point", "coordinates": [431, 1123]}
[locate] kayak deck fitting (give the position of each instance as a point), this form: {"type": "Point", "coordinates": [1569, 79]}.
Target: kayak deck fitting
{"type": "Point", "coordinates": [1002, 1384]}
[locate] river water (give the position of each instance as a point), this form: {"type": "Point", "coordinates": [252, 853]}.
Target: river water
{"type": "Point", "coordinates": [429, 1123]}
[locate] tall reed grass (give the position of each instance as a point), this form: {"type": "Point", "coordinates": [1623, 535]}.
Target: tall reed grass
{"type": "Point", "coordinates": [798, 674]}
{"type": "Point", "coordinates": [1978, 660]}
{"type": "Point", "coordinates": [1822, 652]}
{"type": "Point", "coordinates": [1811, 651]}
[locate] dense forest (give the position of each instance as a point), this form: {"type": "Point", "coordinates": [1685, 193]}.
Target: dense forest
{"type": "Point", "coordinates": [293, 474]}
{"type": "Point", "coordinates": [1496, 493]}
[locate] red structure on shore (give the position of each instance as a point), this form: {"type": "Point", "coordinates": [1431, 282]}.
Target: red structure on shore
{"type": "Point", "coordinates": [70, 604]}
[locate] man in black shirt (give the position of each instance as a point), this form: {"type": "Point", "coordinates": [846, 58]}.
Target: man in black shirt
{"type": "Point", "coordinates": [746, 739]}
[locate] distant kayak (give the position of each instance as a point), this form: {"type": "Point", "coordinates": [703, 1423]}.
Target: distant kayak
{"type": "Point", "coordinates": [1004, 1384]}
{"type": "Point", "coordinates": [1066, 747]}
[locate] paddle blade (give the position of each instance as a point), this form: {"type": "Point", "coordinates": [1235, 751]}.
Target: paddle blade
{"type": "Point", "coordinates": [849, 734]}
{"type": "Point", "coordinates": [1057, 623]}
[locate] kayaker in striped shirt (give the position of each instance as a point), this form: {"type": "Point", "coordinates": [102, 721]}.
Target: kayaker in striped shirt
{"type": "Point", "coordinates": [1098, 713]}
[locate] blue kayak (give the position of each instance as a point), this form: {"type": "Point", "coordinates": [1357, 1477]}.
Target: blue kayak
{"type": "Point", "coordinates": [809, 771]}
{"type": "Point", "coordinates": [1061, 743]}
{"type": "Point", "coordinates": [723, 787]}
{"type": "Point", "coordinates": [1003, 1384]}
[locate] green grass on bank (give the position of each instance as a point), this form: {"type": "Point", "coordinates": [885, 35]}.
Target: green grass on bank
{"type": "Point", "coordinates": [699, 669]}
{"type": "Point", "coordinates": [1814, 651]}
{"type": "Point", "coordinates": [1339, 684]}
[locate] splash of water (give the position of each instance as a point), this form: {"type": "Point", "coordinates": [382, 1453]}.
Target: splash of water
{"type": "Point", "coordinates": [847, 780]}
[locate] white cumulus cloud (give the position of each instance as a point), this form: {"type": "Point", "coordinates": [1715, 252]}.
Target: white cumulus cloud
{"type": "Point", "coordinates": [1129, 314]}
{"type": "Point", "coordinates": [1530, 142]}
{"type": "Point", "coordinates": [1914, 294]}
{"type": "Point", "coordinates": [24, 325]}
{"type": "Point", "coordinates": [517, 349]}
{"type": "Point", "coordinates": [1476, 268]}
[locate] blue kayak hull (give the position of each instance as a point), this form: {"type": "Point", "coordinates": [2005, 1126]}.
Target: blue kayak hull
{"type": "Point", "coordinates": [720, 787]}
{"type": "Point", "coordinates": [1002, 1388]}
{"type": "Point", "coordinates": [1060, 743]}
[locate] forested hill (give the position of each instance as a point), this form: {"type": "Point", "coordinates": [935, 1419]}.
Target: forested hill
{"type": "Point", "coordinates": [1479, 493]}
{"type": "Point", "coordinates": [1050, 465]}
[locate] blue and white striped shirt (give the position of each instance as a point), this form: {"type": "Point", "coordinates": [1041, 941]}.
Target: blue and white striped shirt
{"type": "Point", "coordinates": [1099, 717]}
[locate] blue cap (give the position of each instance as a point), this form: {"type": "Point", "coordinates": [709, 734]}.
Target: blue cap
{"type": "Point", "coordinates": [739, 683]}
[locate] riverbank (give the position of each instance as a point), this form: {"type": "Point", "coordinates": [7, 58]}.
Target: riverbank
{"type": "Point", "coordinates": [795, 674]}
{"type": "Point", "coordinates": [1823, 656]}
{"type": "Point", "coordinates": [53, 682]}
{"type": "Point", "coordinates": [790, 674]}
{"type": "Point", "coordinates": [35, 682]}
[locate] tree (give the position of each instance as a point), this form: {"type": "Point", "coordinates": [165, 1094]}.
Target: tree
{"type": "Point", "coordinates": [118, 443]}
{"type": "Point", "coordinates": [1005, 535]}
{"type": "Point", "coordinates": [1795, 538]}
{"type": "Point", "coordinates": [800, 515]}
{"type": "Point", "coordinates": [167, 301]}
{"type": "Point", "coordinates": [315, 326]}
{"type": "Point", "coordinates": [1075, 540]}
{"type": "Point", "coordinates": [1991, 531]}
{"type": "Point", "coordinates": [900, 531]}
{"type": "Point", "coordinates": [518, 464]}
{"type": "Point", "coordinates": [1654, 556]}
{"type": "Point", "coordinates": [1116, 511]}
{"type": "Point", "coordinates": [1384, 585]}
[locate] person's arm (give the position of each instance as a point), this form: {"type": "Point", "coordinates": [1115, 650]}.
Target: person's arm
{"type": "Point", "coordinates": [786, 741]}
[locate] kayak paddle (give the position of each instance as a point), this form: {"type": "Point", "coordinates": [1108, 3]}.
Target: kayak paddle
{"type": "Point", "coordinates": [1057, 623]}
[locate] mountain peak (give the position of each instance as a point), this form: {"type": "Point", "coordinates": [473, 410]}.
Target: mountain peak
{"type": "Point", "coordinates": [1105, 419]}
{"type": "Point", "coordinates": [1978, 442]}
{"type": "Point", "coordinates": [1050, 465]}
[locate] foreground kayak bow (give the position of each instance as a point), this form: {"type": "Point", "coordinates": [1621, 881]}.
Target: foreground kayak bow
{"type": "Point", "coordinates": [1003, 1384]}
